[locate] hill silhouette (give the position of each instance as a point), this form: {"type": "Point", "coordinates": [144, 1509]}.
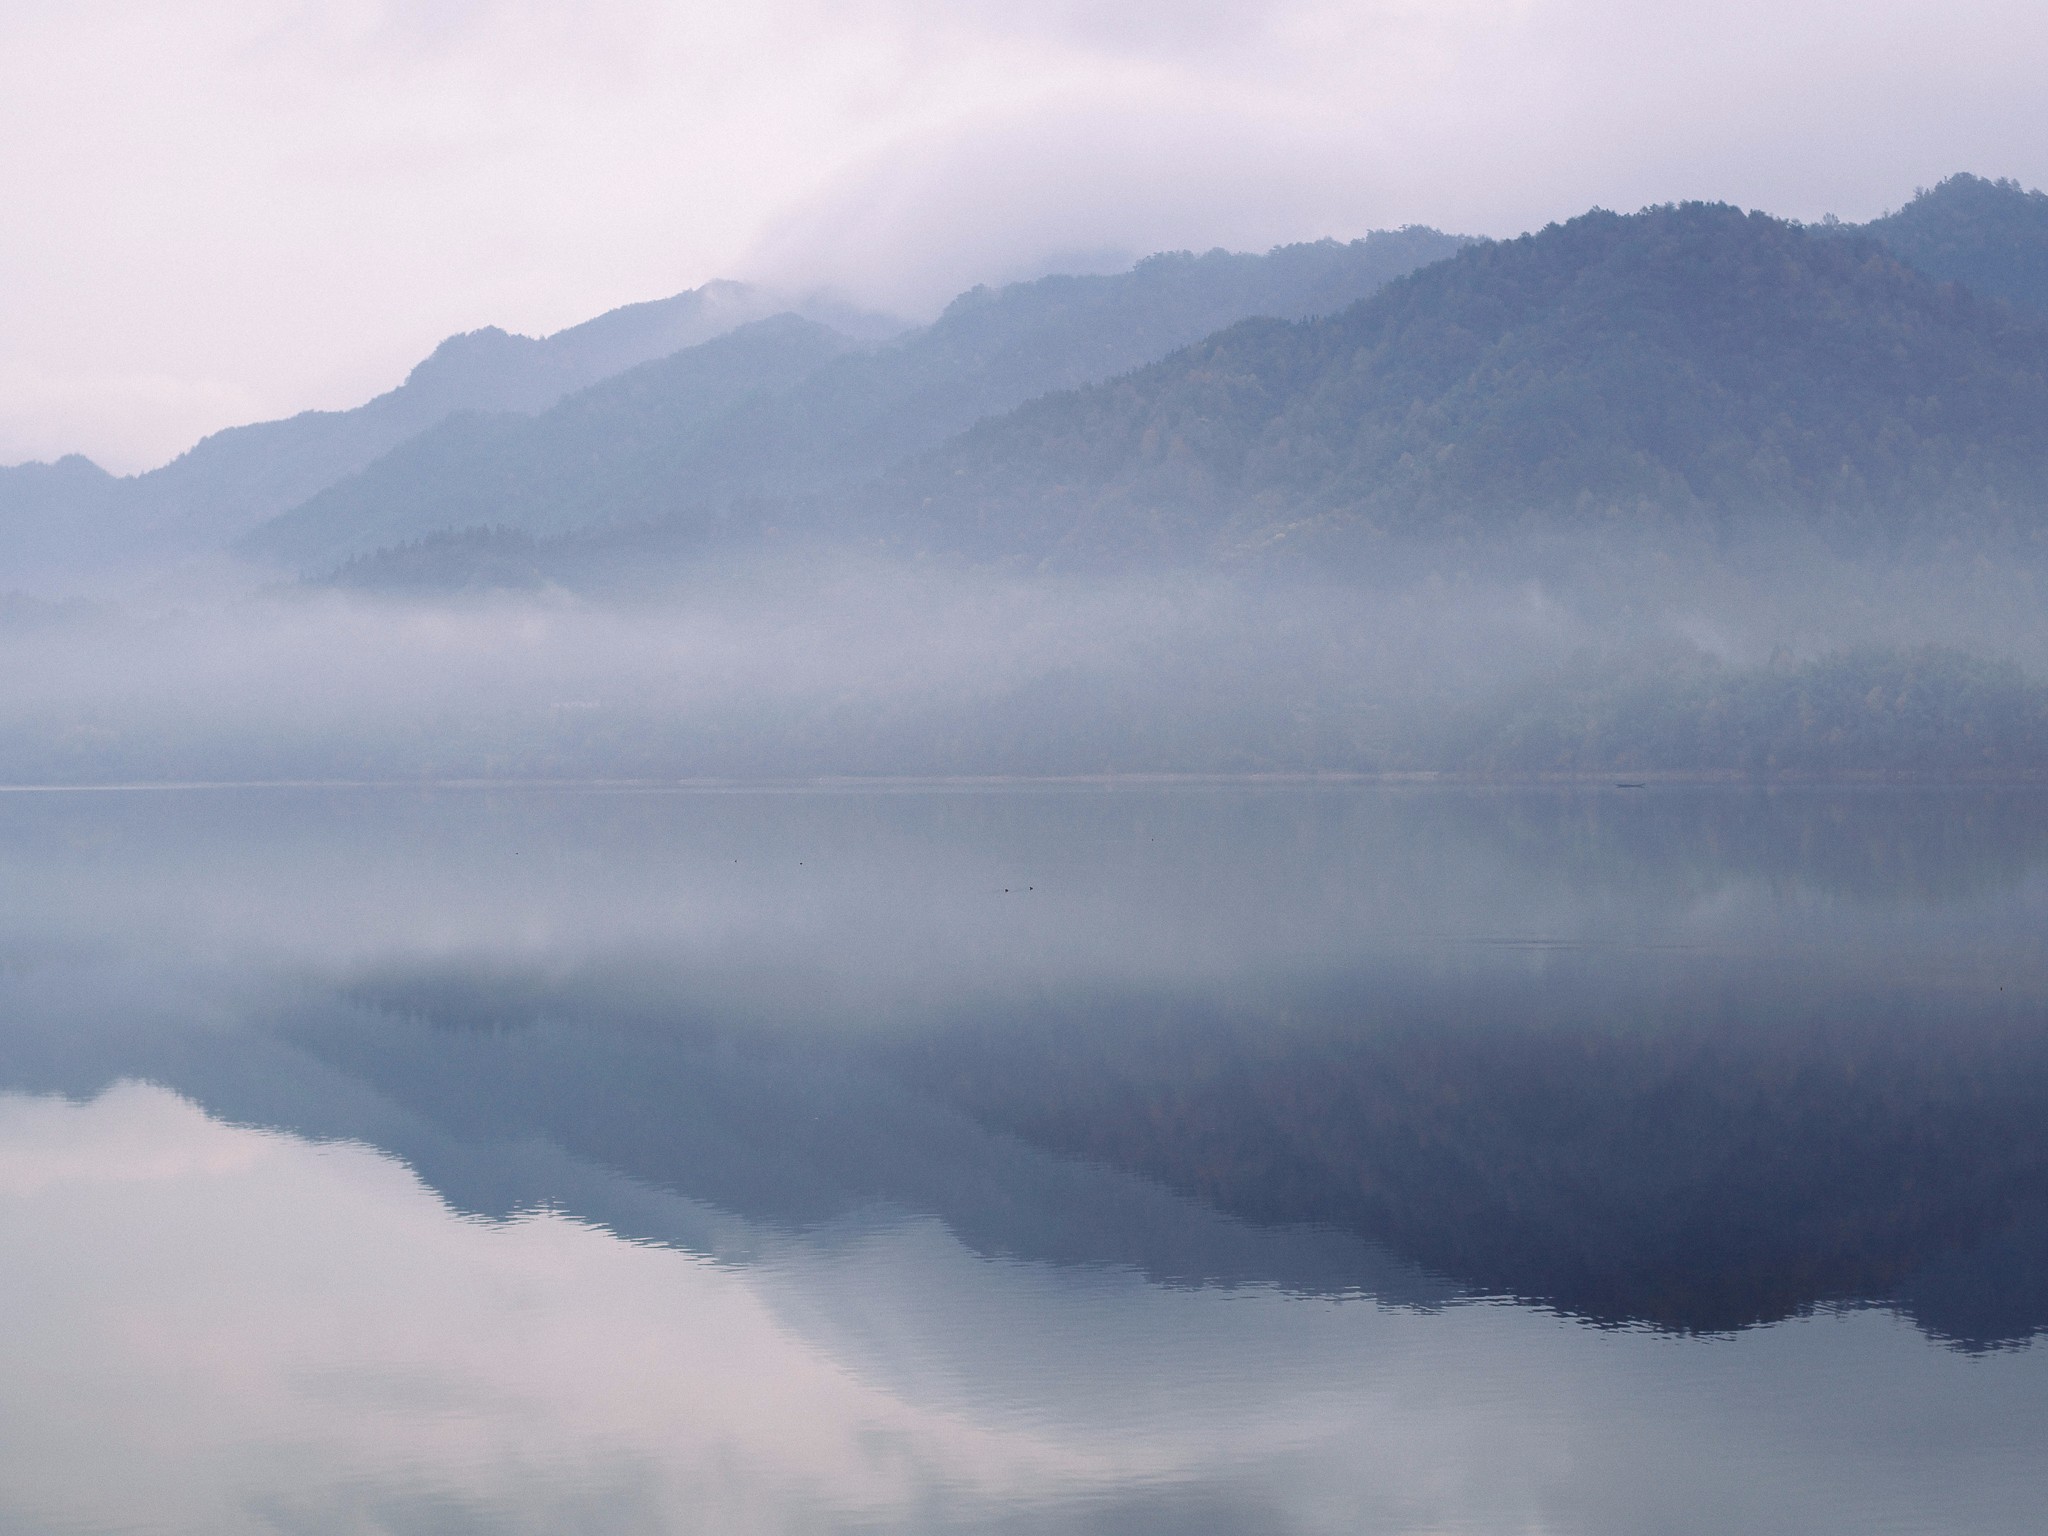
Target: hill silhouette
{"type": "Point", "coordinates": [75, 514]}
{"type": "Point", "coordinates": [571, 465]}
{"type": "Point", "coordinates": [1988, 235]}
{"type": "Point", "coordinates": [1690, 368]}
{"type": "Point", "coordinates": [623, 454]}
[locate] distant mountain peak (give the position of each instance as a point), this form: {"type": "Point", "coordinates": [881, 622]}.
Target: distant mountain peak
{"type": "Point", "coordinates": [1988, 235]}
{"type": "Point", "coordinates": [484, 347]}
{"type": "Point", "coordinates": [1965, 186]}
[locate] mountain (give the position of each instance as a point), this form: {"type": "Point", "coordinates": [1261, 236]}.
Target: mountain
{"type": "Point", "coordinates": [1602, 367]}
{"type": "Point", "coordinates": [236, 478]}
{"type": "Point", "coordinates": [622, 455]}
{"type": "Point", "coordinates": [49, 513]}
{"type": "Point", "coordinates": [573, 465]}
{"type": "Point", "coordinates": [1619, 1149]}
{"type": "Point", "coordinates": [1688, 368]}
{"type": "Point", "coordinates": [1988, 235]}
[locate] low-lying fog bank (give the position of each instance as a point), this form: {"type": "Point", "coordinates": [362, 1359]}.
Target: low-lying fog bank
{"type": "Point", "coordinates": [812, 666]}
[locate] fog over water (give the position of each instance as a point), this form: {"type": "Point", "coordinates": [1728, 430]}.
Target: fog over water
{"type": "Point", "coordinates": [824, 665]}
{"type": "Point", "coordinates": [805, 669]}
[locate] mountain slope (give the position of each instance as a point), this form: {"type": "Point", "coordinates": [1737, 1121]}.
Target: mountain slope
{"type": "Point", "coordinates": [993, 350]}
{"type": "Point", "coordinates": [990, 351]}
{"type": "Point", "coordinates": [570, 466]}
{"type": "Point", "coordinates": [1688, 367]}
{"type": "Point", "coordinates": [236, 478]}
{"type": "Point", "coordinates": [1988, 235]}
{"type": "Point", "coordinates": [50, 510]}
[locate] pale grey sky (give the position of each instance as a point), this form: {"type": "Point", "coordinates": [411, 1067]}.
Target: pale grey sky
{"type": "Point", "coordinates": [222, 210]}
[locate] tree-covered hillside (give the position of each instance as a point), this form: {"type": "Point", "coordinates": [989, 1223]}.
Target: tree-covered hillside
{"type": "Point", "coordinates": [1691, 368]}
{"type": "Point", "coordinates": [1988, 235]}
{"type": "Point", "coordinates": [605, 457]}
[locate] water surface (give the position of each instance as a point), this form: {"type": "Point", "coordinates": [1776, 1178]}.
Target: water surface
{"type": "Point", "coordinates": [1199, 1158]}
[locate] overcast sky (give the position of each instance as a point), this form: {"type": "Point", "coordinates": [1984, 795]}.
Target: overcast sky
{"type": "Point", "coordinates": [223, 210]}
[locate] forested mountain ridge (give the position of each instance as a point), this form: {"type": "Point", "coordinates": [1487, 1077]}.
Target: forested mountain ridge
{"type": "Point", "coordinates": [1988, 235]}
{"type": "Point", "coordinates": [234, 479]}
{"type": "Point", "coordinates": [595, 459]}
{"type": "Point", "coordinates": [1597, 390]}
{"type": "Point", "coordinates": [1690, 367]}
{"type": "Point", "coordinates": [572, 465]}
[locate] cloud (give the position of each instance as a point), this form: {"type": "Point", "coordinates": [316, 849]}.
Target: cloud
{"type": "Point", "coordinates": [1019, 194]}
{"type": "Point", "coordinates": [1483, 118]}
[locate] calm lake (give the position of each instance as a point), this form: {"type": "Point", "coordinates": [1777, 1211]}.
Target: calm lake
{"type": "Point", "coordinates": [1193, 1158]}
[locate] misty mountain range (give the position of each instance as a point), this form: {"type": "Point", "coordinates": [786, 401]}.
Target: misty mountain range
{"type": "Point", "coordinates": [1690, 491]}
{"type": "Point", "coordinates": [73, 513]}
{"type": "Point", "coordinates": [689, 436]}
{"type": "Point", "coordinates": [1686, 368]}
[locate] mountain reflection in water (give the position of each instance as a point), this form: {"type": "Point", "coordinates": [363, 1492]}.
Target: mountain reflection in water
{"type": "Point", "coordinates": [1680, 1061]}
{"type": "Point", "coordinates": [1711, 1152]}
{"type": "Point", "coordinates": [1690, 1145]}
